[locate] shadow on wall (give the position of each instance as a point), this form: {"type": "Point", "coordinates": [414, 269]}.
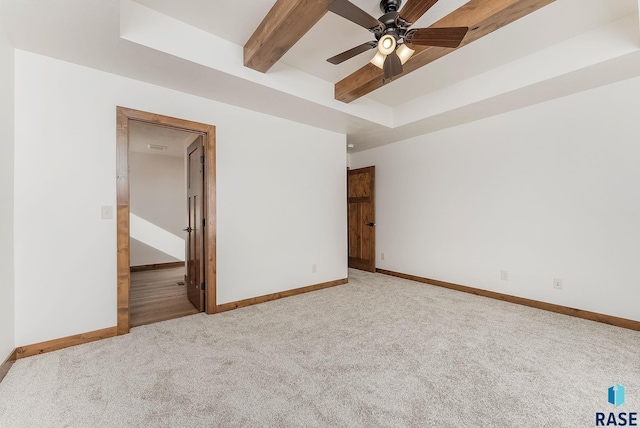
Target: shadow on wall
{"type": "Point", "coordinates": [156, 237]}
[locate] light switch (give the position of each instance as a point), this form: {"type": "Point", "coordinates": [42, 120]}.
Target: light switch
{"type": "Point", "coordinates": [107, 212]}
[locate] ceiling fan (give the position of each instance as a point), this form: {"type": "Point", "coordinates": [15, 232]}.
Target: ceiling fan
{"type": "Point", "coordinates": [392, 33]}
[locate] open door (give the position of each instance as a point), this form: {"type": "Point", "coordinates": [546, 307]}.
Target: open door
{"type": "Point", "coordinates": [195, 256]}
{"type": "Point", "coordinates": [361, 211]}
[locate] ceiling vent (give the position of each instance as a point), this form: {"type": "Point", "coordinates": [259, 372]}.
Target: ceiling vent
{"type": "Point", "coordinates": [156, 147]}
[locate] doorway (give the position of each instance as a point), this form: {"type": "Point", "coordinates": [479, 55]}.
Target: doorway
{"type": "Point", "coordinates": [204, 230]}
{"type": "Point", "coordinates": [361, 218]}
{"type": "Point", "coordinates": [158, 188]}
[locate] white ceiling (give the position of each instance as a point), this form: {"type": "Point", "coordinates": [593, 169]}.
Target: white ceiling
{"type": "Point", "coordinates": [569, 39]}
{"type": "Point", "coordinates": [142, 134]}
{"type": "Point", "coordinates": [333, 35]}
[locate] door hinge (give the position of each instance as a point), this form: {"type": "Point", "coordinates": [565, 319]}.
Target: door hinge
{"type": "Point", "coordinates": [202, 286]}
{"type": "Point", "coordinates": [202, 159]}
{"type": "Point", "coordinates": [204, 222]}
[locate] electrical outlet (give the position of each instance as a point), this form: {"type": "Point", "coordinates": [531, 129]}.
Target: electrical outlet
{"type": "Point", "coordinates": [504, 275]}
{"type": "Point", "coordinates": [314, 268]}
{"type": "Point", "coordinates": [381, 256]}
{"type": "Point", "coordinates": [557, 283]}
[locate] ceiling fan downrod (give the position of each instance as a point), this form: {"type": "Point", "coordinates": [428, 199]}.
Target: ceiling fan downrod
{"type": "Point", "coordinates": [387, 6]}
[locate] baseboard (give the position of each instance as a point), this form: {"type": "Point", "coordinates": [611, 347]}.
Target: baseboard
{"type": "Point", "coordinates": [565, 310]}
{"type": "Point", "coordinates": [144, 268]}
{"type": "Point", "coordinates": [268, 297]}
{"type": "Point", "coordinates": [4, 368]}
{"type": "Point", "coordinates": [65, 342]}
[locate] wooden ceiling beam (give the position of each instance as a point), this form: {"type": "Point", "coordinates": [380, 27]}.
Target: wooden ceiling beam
{"type": "Point", "coordinates": [481, 16]}
{"type": "Point", "coordinates": [284, 25]}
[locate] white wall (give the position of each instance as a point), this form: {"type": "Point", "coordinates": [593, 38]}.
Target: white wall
{"type": "Point", "coordinates": [158, 195]}
{"type": "Point", "coordinates": [280, 196]}
{"type": "Point", "coordinates": [7, 330]}
{"type": "Point", "coordinates": [549, 191]}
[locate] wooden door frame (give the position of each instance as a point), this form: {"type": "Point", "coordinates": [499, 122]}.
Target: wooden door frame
{"type": "Point", "coordinates": [124, 116]}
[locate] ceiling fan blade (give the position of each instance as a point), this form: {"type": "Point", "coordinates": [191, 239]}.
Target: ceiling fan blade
{"type": "Point", "coordinates": [414, 9]}
{"type": "Point", "coordinates": [352, 52]}
{"type": "Point", "coordinates": [392, 66]}
{"type": "Point", "coordinates": [449, 37]}
{"type": "Point", "coordinates": [353, 13]}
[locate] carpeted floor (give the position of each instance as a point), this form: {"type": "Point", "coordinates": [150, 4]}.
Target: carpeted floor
{"type": "Point", "coordinates": [379, 351]}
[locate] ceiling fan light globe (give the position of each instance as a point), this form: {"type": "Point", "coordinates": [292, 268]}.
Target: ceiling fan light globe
{"type": "Point", "coordinates": [404, 53]}
{"type": "Point", "coordinates": [378, 60]}
{"type": "Point", "coordinates": [386, 44]}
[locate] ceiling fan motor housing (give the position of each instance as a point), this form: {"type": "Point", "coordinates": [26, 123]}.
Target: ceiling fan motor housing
{"type": "Point", "coordinates": [391, 19]}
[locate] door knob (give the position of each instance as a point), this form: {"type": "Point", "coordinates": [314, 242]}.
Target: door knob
{"type": "Point", "coordinates": [188, 229]}
{"type": "Point", "coordinates": [370, 224]}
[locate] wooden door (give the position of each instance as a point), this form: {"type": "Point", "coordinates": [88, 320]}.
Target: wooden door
{"type": "Point", "coordinates": [361, 211]}
{"type": "Point", "coordinates": [195, 241]}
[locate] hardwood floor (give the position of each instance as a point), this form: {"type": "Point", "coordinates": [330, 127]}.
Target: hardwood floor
{"type": "Point", "coordinates": [156, 296]}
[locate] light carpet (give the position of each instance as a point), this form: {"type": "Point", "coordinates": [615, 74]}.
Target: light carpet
{"type": "Point", "coordinates": [379, 351]}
